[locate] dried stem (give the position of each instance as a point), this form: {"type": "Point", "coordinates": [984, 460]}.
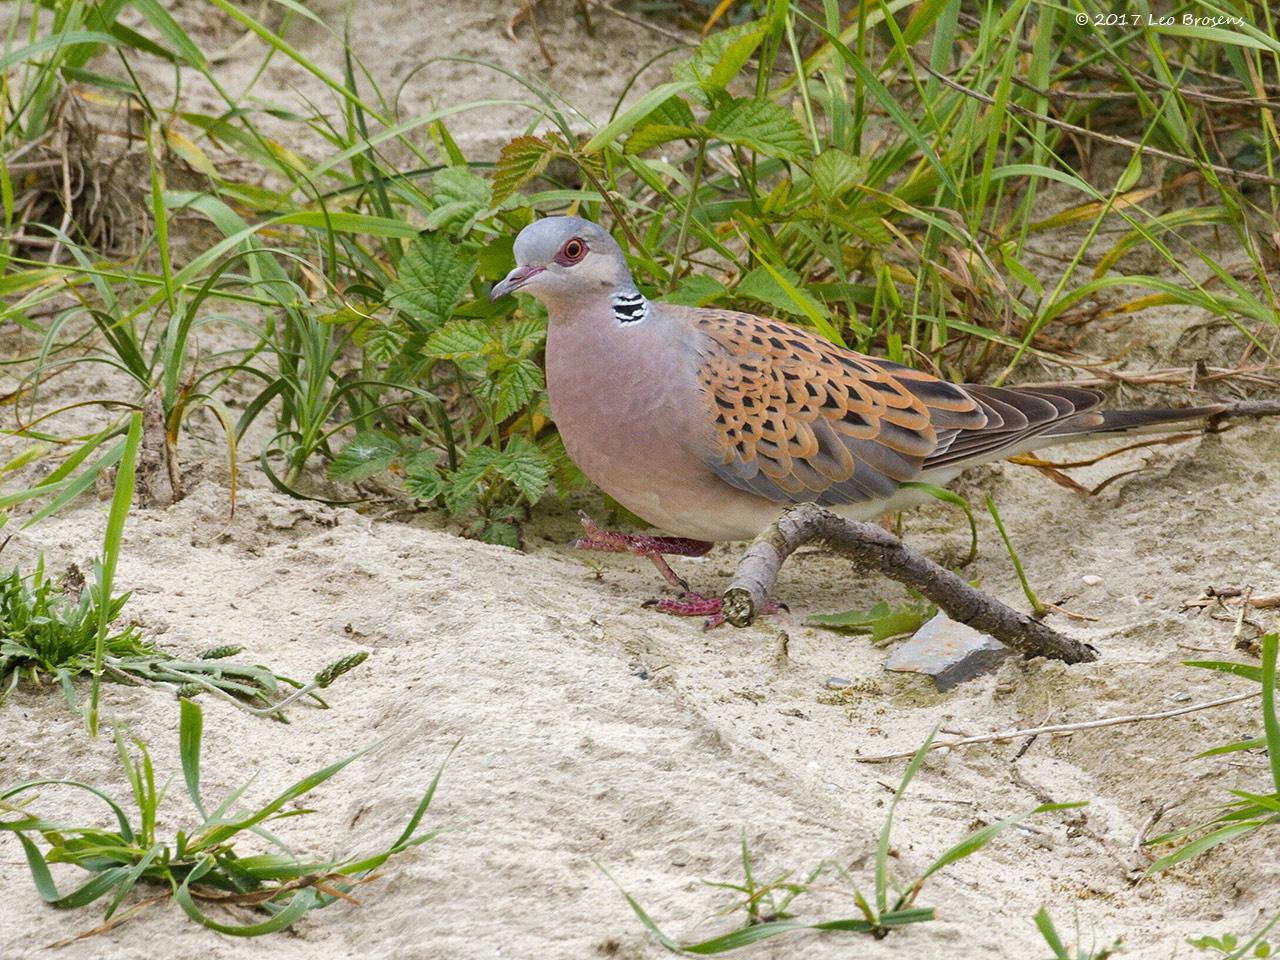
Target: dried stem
{"type": "Point", "coordinates": [872, 547]}
{"type": "Point", "coordinates": [1067, 727]}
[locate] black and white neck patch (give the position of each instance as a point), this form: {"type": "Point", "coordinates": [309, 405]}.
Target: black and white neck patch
{"type": "Point", "coordinates": [630, 307]}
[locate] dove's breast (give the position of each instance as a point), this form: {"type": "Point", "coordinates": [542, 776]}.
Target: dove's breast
{"type": "Point", "coordinates": [632, 416]}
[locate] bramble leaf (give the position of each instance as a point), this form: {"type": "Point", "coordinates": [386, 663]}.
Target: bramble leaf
{"type": "Point", "coordinates": [433, 279]}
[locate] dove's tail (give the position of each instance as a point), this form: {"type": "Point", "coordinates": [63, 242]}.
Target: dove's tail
{"type": "Point", "coordinates": [1103, 423]}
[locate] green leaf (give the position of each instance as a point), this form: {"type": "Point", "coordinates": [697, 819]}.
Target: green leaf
{"type": "Point", "coordinates": [463, 487]}
{"type": "Point", "coordinates": [1047, 930]}
{"type": "Point", "coordinates": [526, 466]}
{"type": "Point", "coordinates": [367, 453]}
{"type": "Point", "coordinates": [460, 195]}
{"type": "Point", "coordinates": [1132, 173]}
{"type": "Point", "coordinates": [835, 173]}
{"type": "Point", "coordinates": [502, 533]}
{"type": "Point", "coordinates": [433, 278]}
{"type": "Point", "coordinates": [516, 384]}
{"type": "Point", "coordinates": [979, 838]}
{"type": "Point", "coordinates": [522, 336]}
{"type": "Point", "coordinates": [459, 340]}
{"type": "Point", "coordinates": [424, 484]}
{"type": "Point", "coordinates": [655, 134]}
{"type": "Point", "coordinates": [759, 125]}
{"type": "Point", "coordinates": [1246, 670]}
{"type": "Point", "coordinates": [721, 56]}
{"type": "Point", "coordinates": [672, 113]}
{"type": "Point", "coordinates": [762, 284]}
{"type": "Point", "coordinates": [190, 732]}
{"type": "Point", "coordinates": [671, 120]}
{"type": "Point", "coordinates": [121, 501]}
{"type": "Point", "coordinates": [519, 162]}
{"type": "Point", "coordinates": [950, 496]}
{"type": "Point", "coordinates": [882, 621]}
{"type": "Point", "coordinates": [628, 119]}
{"type": "Point", "coordinates": [1270, 719]}
{"type": "Point", "coordinates": [1196, 847]}
{"type": "Point", "coordinates": [696, 290]}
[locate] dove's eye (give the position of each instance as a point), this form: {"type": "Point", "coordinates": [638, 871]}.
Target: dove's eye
{"type": "Point", "coordinates": [573, 251]}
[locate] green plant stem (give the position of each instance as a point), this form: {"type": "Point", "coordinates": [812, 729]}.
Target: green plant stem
{"type": "Point", "coordinates": [694, 184]}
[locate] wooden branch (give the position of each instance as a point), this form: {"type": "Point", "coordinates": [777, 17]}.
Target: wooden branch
{"type": "Point", "coordinates": [1245, 408]}
{"type": "Point", "coordinates": [1067, 727]}
{"type": "Point", "coordinates": [872, 547]}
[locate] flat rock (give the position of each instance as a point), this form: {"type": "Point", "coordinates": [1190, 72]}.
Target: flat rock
{"type": "Point", "coordinates": [949, 652]}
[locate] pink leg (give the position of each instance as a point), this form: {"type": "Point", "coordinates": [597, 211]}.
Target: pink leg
{"type": "Point", "coordinates": [642, 546]}
{"type": "Point", "coordinates": [696, 605]}
{"type": "Point", "coordinates": [691, 604]}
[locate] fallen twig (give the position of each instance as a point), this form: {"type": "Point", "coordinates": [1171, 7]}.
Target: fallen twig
{"type": "Point", "coordinates": [1245, 408]}
{"type": "Point", "coordinates": [679, 38]}
{"type": "Point", "coordinates": [1065, 727]}
{"type": "Point", "coordinates": [870, 545]}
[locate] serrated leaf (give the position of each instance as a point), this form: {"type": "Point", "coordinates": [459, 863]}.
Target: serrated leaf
{"type": "Point", "coordinates": [461, 339]}
{"type": "Point", "coordinates": [433, 278]}
{"type": "Point", "coordinates": [759, 125]}
{"type": "Point", "coordinates": [760, 284]}
{"type": "Point", "coordinates": [672, 113]}
{"type": "Point", "coordinates": [367, 453]}
{"type": "Point", "coordinates": [502, 533]}
{"type": "Point", "coordinates": [566, 474]}
{"type": "Point", "coordinates": [380, 344]}
{"type": "Point", "coordinates": [526, 466]}
{"type": "Point", "coordinates": [519, 336]}
{"type": "Point", "coordinates": [515, 385]}
{"type": "Point", "coordinates": [735, 53]}
{"type": "Point", "coordinates": [519, 162]}
{"type": "Point", "coordinates": [720, 57]}
{"type": "Point", "coordinates": [463, 486]}
{"type": "Point", "coordinates": [835, 173]}
{"type": "Point", "coordinates": [424, 484]}
{"type": "Point", "coordinates": [672, 120]}
{"type": "Point", "coordinates": [460, 184]}
{"type": "Point", "coordinates": [461, 195]}
{"type": "Point", "coordinates": [496, 255]}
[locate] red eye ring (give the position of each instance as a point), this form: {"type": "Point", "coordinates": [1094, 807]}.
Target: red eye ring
{"type": "Point", "coordinates": [573, 250]}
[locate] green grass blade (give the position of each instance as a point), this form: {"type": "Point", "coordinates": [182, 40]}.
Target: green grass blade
{"type": "Point", "coordinates": [121, 500]}
{"type": "Point", "coordinates": [1270, 722]}
{"type": "Point", "coordinates": [190, 732]}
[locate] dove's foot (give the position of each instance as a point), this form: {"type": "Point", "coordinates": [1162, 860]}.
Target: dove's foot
{"type": "Point", "coordinates": [696, 605]}
{"type": "Point", "coordinates": [642, 546]}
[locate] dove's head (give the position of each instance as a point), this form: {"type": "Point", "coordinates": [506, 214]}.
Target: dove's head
{"type": "Point", "coordinates": [563, 258]}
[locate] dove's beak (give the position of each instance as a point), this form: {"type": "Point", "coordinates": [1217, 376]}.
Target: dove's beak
{"type": "Point", "coordinates": [513, 281]}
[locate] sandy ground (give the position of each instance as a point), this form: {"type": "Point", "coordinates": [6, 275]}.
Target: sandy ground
{"type": "Point", "coordinates": [594, 731]}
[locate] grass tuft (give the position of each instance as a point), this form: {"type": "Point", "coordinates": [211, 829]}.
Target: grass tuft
{"type": "Point", "coordinates": [203, 868]}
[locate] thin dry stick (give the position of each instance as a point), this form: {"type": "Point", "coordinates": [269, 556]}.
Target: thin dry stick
{"type": "Point", "coordinates": [1065, 727]}
{"type": "Point", "coordinates": [1104, 137]}
{"type": "Point", "coordinates": [1245, 408]}
{"type": "Point", "coordinates": [875, 548]}
{"type": "Point", "coordinates": [652, 27]}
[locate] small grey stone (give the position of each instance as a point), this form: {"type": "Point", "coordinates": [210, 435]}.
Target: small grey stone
{"type": "Point", "coordinates": [949, 652]}
{"type": "Point", "coordinates": [837, 683]}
